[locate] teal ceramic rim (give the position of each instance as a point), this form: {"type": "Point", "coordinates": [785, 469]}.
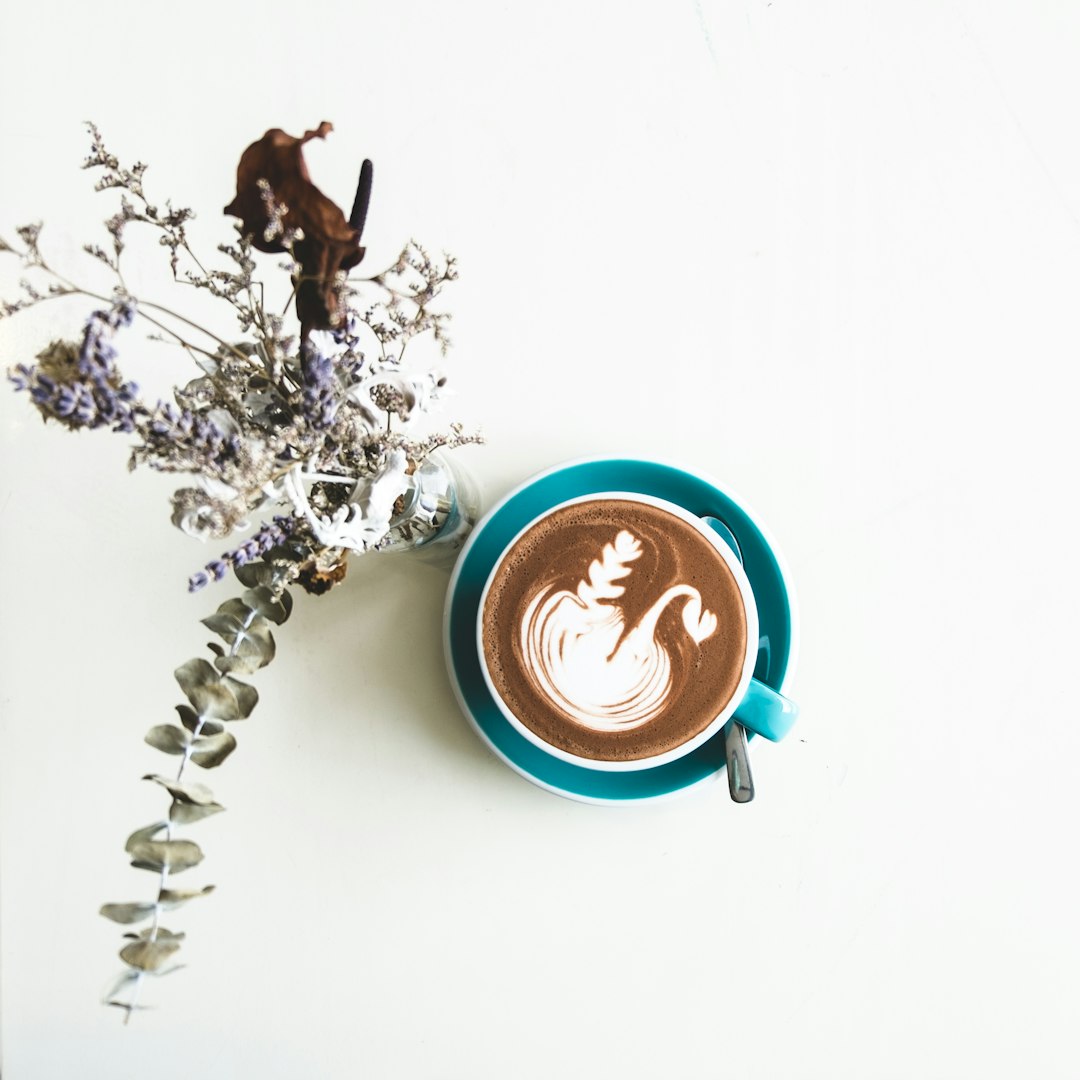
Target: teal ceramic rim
{"type": "Point", "coordinates": [701, 496]}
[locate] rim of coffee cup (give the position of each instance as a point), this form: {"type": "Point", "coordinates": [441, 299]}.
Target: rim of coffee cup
{"type": "Point", "coordinates": [749, 660]}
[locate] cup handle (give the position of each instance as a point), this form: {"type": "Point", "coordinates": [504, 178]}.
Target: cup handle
{"type": "Point", "coordinates": [765, 712]}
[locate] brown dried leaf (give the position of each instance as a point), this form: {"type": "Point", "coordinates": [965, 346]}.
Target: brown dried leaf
{"type": "Point", "coordinates": [329, 243]}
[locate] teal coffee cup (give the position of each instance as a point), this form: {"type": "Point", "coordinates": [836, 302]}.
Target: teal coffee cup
{"type": "Point", "coordinates": [762, 698]}
{"type": "Point", "coordinates": [611, 689]}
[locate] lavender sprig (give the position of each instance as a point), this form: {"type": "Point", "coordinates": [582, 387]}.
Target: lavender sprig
{"type": "Point", "coordinates": [82, 386]}
{"type": "Point", "coordinates": [320, 397]}
{"type": "Point", "coordinates": [269, 536]}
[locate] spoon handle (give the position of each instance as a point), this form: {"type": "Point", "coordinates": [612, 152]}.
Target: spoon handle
{"type": "Point", "coordinates": [739, 778]}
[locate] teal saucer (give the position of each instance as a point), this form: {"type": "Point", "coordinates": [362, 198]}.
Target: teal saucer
{"type": "Point", "coordinates": [764, 568]}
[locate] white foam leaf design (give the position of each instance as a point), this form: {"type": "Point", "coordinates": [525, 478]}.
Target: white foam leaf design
{"type": "Point", "coordinates": [612, 565]}
{"type": "Point", "coordinates": [587, 662]}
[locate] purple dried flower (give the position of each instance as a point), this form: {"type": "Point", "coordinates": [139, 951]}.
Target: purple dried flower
{"type": "Point", "coordinates": [175, 435]}
{"type": "Point", "coordinates": [268, 536]}
{"type": "Point", "coordinates": [320, 400]}
{"type": "Point", "coordinates": [197, 581]}
{"type": "Point", "coordinates": [81, 386]}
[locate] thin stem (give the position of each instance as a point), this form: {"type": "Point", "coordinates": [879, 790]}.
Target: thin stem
{"type": "Point", "coordinates": [76, 290]}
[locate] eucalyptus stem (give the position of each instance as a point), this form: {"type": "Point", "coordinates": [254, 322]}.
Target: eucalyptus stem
{"type": "Point", "coordinates": [215, 696]}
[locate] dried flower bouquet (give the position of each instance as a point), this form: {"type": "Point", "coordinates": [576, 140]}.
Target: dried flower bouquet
{"type": "Point", "coordinates": [306, 428]}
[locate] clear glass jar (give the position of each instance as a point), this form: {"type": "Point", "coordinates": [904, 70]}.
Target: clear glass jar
{"type": "Point", "coordinates": [441, 506]}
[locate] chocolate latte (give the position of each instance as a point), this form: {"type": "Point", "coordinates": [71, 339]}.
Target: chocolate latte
{"type": "Point", "coordinates": [614, 631]}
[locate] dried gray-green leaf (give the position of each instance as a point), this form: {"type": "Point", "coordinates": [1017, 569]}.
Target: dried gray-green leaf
{"type": "Point", "coordinates": [187, 792]}
{"type": "Point", "coordinates": [247, 697]}
{"type": "Point", "coordinates": [246, 633]}
{"type": "Point", "coordinates": [181, 813]}
{"type": "Point", "coordinates": [256, 644]}
{"type": "Point", "coordinates": [236, 609]}
{"type": "Point", "coordinates": [214, 700]}
{"type": "Point", "coordinates": [173, 898]}
{"type": "Point", "coordinates": [266, 604]}
{"type": "Point", "coordinates": [191, 801]}
{"type": "Point", "coordinates": [196, 672]}
{"type": "Point", "coordinates": [240, 665]}
{"type": "Point", "coordinates": [287, 603]}
{"type": "Point", "coordinates": [225, 626]}
{"type": "Point", "coordinates": [149, 956]}
{"type": "Point", "coordinates": [253, 574]}
{"type": "Point", "coordinates": [168, 738]}
{"type": "Point", "coordinates": [193, 722]}
{"type": "Point", "coordinates": [148, 832]}
{"type": "Point", "coordinates": [215, 648]}
{"type": "Point", "coordinates": [247, 656]}
{"type": "Point", "coordinates": [213, 750]}
{"type": "Point", "coordinates": [160, 934]}
{"type": "Point", "coordinates": [175, 855]}
{"type": "Point", "coordinates": [127, 913]}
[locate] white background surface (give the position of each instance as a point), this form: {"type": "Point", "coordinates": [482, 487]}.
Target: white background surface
{"type": "Point", "coordinates": [830, 253]}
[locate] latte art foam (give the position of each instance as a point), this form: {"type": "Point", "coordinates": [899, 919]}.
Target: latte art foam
{"type": "Point", "coordinates": [614, 630]}
{"type": "Point", "coordinates": [587, 662]}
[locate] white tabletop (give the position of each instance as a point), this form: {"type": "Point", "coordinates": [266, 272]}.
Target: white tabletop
{"type": "Point", "coordinates": [829, 254]}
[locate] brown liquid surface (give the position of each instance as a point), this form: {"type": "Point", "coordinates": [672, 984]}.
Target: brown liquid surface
{"type": "Point", "coordinates": [554, 557]}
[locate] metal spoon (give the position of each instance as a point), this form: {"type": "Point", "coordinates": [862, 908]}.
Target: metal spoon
{"type": "Point", "coordinates": [739, 778]}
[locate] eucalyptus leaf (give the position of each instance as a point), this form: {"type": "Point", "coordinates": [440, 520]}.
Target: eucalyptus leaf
{"type": "Point", "coordinates": [287, 603]}
{"type": "Point", "coordinates": [262, 601]}
{"type": "Point", "coordinates": [235, 619]}
{"type": "Point", "coordinates": [251, 641]}
{"type": "Point", "coordinates": [215, 701]}
{"type": "Point", "coordinates": [247, 697]}
{"type": "Point", "coordinates": [211, 751]}
{"type": "Point", "coordinates": [229, 664]}
{"type": "Point", "coordinates": [191, 801]}
{"type": "Point", "coordinates": [192, 721]}
{"type": "Point", "coordinates": [196, 672]}
{"type": "Point", "coordinates": [236, 609]}
{"type": "Point", "coordinates": [186, 792]}
{"type": "Point", "coordinates": [127, 913]}
{"type": "Point", "coordinates": [149, 955]}
{"type": "Point", "coordinates": [173, 898]}
{"type": "Point", "coordinates": [224, 626]}
{"type": "Point", "coordinates": [149, 933]}
{"type": "Point", "coordinates": [254, 574]}
{"type": "Point", "coordinates": [148, 832]}
{"type": "Point", "coordinates": [174, 855]}
{"type": "Point", "coordinates": [247, 656]}
{"type": "Point", "coordinates": [181, 813]}
{"type": "Point", "coordinates": [215, 648]}
{"type": "Point", "coordinates": [168, 738]}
